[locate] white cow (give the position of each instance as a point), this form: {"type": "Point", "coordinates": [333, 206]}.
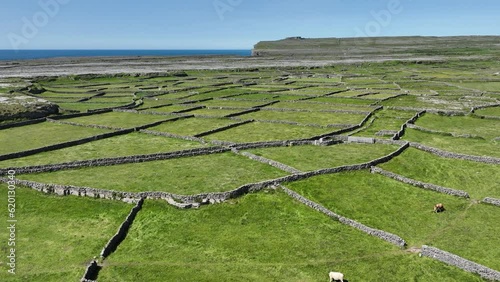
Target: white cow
{"type": "Point", "coordinates": [336, 276]}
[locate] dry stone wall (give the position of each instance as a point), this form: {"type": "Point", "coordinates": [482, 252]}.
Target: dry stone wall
{"type": "Point", "coordinates": [451, 155]}
{"type": "Point", "coordinates": [423, 129]}
{"type": "Point", "coordinates": [491, 201]}
{"type": "Point", "coordinates": [85, 125]}
{"type": "Point", "coordinates": [409, 122]}
{"type": "Point", "coordinates": [171, 135]}
{"type": "Point", "coordinates": [420, 184]}
{"type": "Point", "coordinates": [391, 238]}
{"type": "Point", "coordinates": [432, 111]}
{"type": "Point", "coordinates": [351, 128]}
{"type": "Point", "coordinates": [243, 112]}
{"type": "Point", "coordinates": [311, 111]}
{"type": "Point", "coordinates": [122, 232]}
{"type": "Point", "coordinates": [269, 144]}
{"type": "Point", "coordinates": [189, 201]}
{"type": "Point", "coordinates": [117, 161]}
{"type": "Point", "coordinates": [454, 260]}
{"type": "Point", "coordinates": [474, 109]}
{"type": "Point", "coordinates": [222, 128]}
{"type": "Point", "coordinates": [96, 112]}
{"type": "Point", "coordinates": [63, 145]}
{"type": "Point", "coordinates": [22, 123]}
{"type": "Point", "coordinates": [273, 163]}
{"type": "Point", "coordinates": [91, 272]}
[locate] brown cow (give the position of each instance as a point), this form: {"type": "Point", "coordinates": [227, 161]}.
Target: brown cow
{"type": "Point", "coordinates": [439, 208]}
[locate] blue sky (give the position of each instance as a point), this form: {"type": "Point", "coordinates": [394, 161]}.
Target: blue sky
{"type": "Point", "coordinates": [230, 24]}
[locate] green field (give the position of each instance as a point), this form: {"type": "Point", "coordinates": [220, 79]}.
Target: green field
{"type": "Point", "coordinates": [179, 176]}
{"type": "Point", "coordinates": [192, 126]}
{"type": "Point", "coordinates": [259, 131]}
{"type": "Point", "coordinates": [57, 237]}
{"type": "Point", "coordinates": [391, 120]}
{"type": "Point", "coordinates": [118, 119]}
{"type": "Point", "coordinates": [386, 204]}
{"type": "Point", "coordinates": [319, 157]}
{"type": "Point", "coordinates": [44, 134]}
{"type": "Point", "coordinates": [264, 235]}
{"type": "Point", "coordinates": [243, 240]}
{"type": "Point", "coordinates": [119, 146]}
{"type": "Point", "coordinates": [469, 146]}
{"type": "Point", "coordinates": [487, 129]}
{"type": "Point", "coordinates": [479, 179]}
{"type": "Point", "coordinates": [319, 118]}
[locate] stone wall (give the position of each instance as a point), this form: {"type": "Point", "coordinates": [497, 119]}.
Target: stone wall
{"type": "Point", "coordinates": [454, 260]}
{"type": "Point", "coordinates": [298, 124]}
{"type": "Point", "coordinates": [96, 112]}
{"type": "Point", "coordinates": [223, 128]}
{"type": "Point", "coordinates": [189, 201]}
{"type": "Point", "coordinates": [266, 104]}
{"type": "Point", "coordinates": [116, 161]}
{"type": "Point", "coordinates": [273, 163]}
{"type": "Point", "coordinates": [85, 125]}
{"type": "Point", "coordinates": [155, 107]}
{"type": "Point", "coordinates": [409, 122]}
{"type": "Point", "coordinates": [91, 272]}
{"type": "Point", "coordinates": [63, 145]}
{"type": "Point", "coordinates": [391, 238]}
{"type": "Point", "coordinates": [269, 144]}
{"type": "Point", "coordinates": [393, 97]}
{"type": "Point", "coordinates": [122, 232]}
{"type": "Point", "coordinates": [171, 135]}
{"type": "Point", "coordinates": [348, 129]}
{"type": "Point", "coordinates": [491, 201]}
{"type": "Point", "coordinates": [189, 110]}
{"type": "Point", "coordinates": [420, 184]}
{"type": "Point", "coordinates": [243, 112]}
{"type": "Point", "coordinates": [354, 139]}
{"type": "Point", "coordinates": [21, 123]}
{"type": "Point", "coordinates": [446, 154]}
{"type": "Point", "coordinates": [474, 109]}
{"type": "Point", "coordinates": [372, 120]}
{"type": "Point", "coordinates": [423, 129]}
{"type": "Point", "coordinates": [311, 111]}
{"type": "Point", "coordinates": [432, 111]}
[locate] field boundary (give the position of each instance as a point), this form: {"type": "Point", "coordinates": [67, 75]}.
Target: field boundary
{"type": "Point", "coordinates": [457, 261]}
{"type": "Point", "coordinates": [190, 201]}
{"type": "Point", "coordinates": [416, 183]}
{"type": "Point", "coordinates": [451, 155]}
{"type": "Point", "coordinates": [386, 236]}
{"type": "Point", "coordinates": [117, 160]}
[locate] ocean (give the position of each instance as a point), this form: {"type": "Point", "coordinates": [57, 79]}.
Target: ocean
{"type": "Point", "coordinates": [43, 54]}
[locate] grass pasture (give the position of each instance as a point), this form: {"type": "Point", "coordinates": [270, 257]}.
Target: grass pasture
{"type": "Point", "coordinates": [192, 126]}
{"type": "Point", "coordinates": [118, 146]}
{"type": "Point", "coordinates": [264, 235]}
{"type": "Point", "coordinates": [261, 131]}
{"type": "Point", "coordinates": [57, 237]}
{"type": "Point", "coordinates": [43, 134]}
{"type": "Point", "coordinates": [478, 179]}
{"type": "Point", "coordinates": [378, 203]}
{"type": "Point", "coordinates": [319, 157]}
{"type": "Point", "coordinates": [486, 128]}
{"type": "Point", "coordinates": [184, 176]}
{"type": "Point", "coordinates": [319, 118]}
{"type": "Point", "coordinates": [206, 246]}
{"type": "Point", "coordinates": [118, 119]}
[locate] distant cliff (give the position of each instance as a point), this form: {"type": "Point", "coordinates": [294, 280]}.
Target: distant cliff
{"type": "Point", "coordinates": [379, 46]}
